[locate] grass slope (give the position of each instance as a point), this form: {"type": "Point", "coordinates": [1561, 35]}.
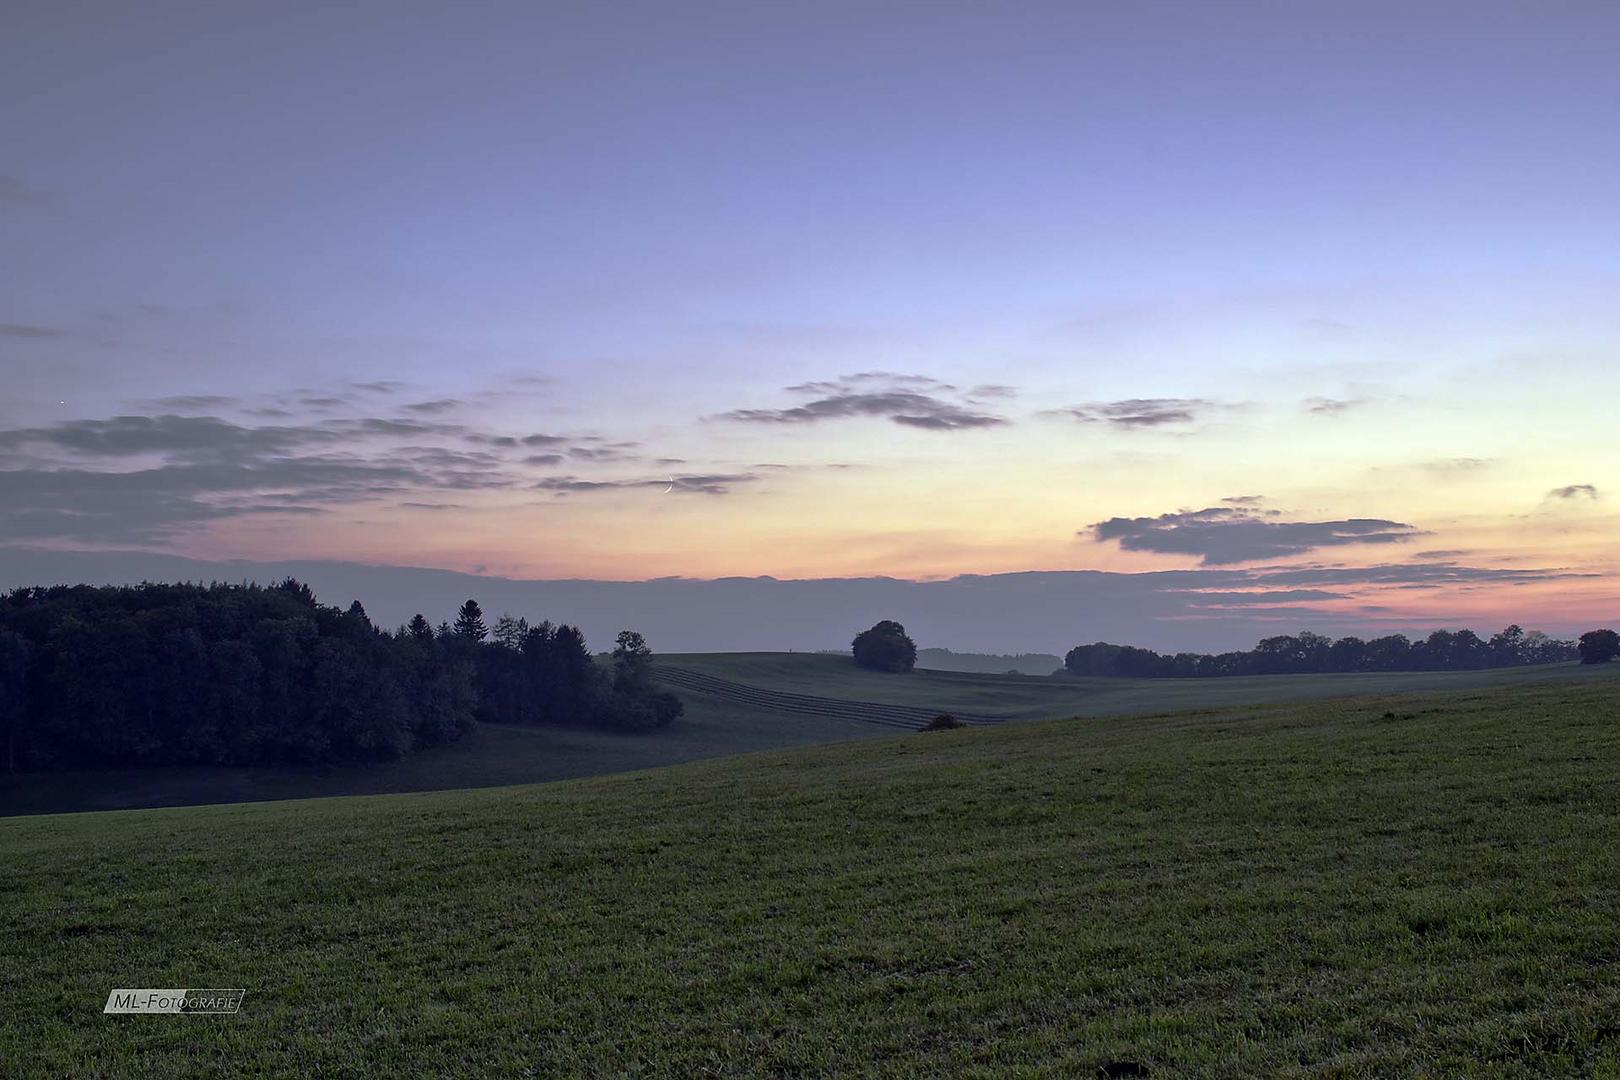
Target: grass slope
{"type": "Point", "coordinates": [1422, 885]}
{"type": "Point", "coordinates": [717, 726]}
{"type": "Point", "coordinates": [1016, 697]}
{"type": "Point", "coordinates": [493, 755]}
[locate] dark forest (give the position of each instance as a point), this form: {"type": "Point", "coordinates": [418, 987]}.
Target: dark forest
{"type": "Point", "coordinates": [248, 675]}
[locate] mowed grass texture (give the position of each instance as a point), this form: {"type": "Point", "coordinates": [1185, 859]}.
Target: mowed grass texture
{"type": "Point", "coordinates": [1397, 887]}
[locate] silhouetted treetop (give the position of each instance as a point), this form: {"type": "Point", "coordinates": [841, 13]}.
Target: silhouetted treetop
{"type": "Point", "coordinates": [1285, 654]}
{"type": "Point", "coordinates": [239, 675]}
{"type": "Point", "coordinates": [885, 647]}
{"type": "Point", "coordinates": [1599, 646]}
{"type": "Point", "coordinates": [470, 622]}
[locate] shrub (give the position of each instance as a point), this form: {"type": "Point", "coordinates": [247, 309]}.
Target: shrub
{"type": "Point", "coordinates": [943, 722]}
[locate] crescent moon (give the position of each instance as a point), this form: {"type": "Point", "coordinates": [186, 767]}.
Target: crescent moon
{"type": "Point", "coordinates": [671, 486]}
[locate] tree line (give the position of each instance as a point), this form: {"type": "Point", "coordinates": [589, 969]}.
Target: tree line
{"type": "Point", "coordinates": [1286, 654]}
{"type": "Point", "coordinates": [220, 674]}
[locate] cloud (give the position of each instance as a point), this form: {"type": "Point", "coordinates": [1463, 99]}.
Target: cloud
{"type": "Point", "coordinates": [1224, 535]}
{"type": "Point", "coordinates": [1441, 573]}
{"type": "Point", "coordinates": [1244, 500]}
{"type": "Point", "coordinates": [1135, 413]}
{"type": "Point", "coordinates": [148, 479]}
{"type": "Point", "coordinates": [438, 405]}
{"type": "Point", "coordinates": [393, 426]}
{"type": "Point", "coordinates": [1456, 465]}
{"type": "Point", "coordinates": [125, 436]}
{"type": "Point", "coordinates": [195, 401]}
{"type": "Point", "coordinates": [868, 380]}
{"type": "Point", "coordinates": [154, 505]}
{"type": "Point", "coordinates": [1325, 406]}
{"type": "Point", "coordinates": [515, 440]}
{"type": "Point", "coordinates": [600, 453]}
{"type": "Point", "coordinates": [31, 333]}
{"type": "Point", "coordinates": [690, 484]}
{"type": "Point", "coordinates": [14, 191]}
{"type": "Point", "coordinates": [1574, 491]}
{"type": "Point", "coordinates": [912, 410]}
{"type": "Point", "coordinates": [909, 400]}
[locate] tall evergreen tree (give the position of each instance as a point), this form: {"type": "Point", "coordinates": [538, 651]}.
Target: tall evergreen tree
{"type": "Point", "coordinates": [470, 622]}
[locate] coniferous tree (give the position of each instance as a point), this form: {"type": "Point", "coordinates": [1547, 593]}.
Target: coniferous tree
{"type": "Point", "coordinates": [225, 675]}
{"type": "Point", "coordinates": [470, 622]}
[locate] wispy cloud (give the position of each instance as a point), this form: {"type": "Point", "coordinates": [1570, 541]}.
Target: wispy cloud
{"type": "Point", "coordinates": [1235, 534]}
{"type": "Point", "coordinates": [689, 484]}
{"type": "Point", "coordinates": [195, 401]}
{"type": "Point", "coordinates": [1574, 491]}
{"type": "Point", "coordinates": [1326, 406]}
{"type": "Point", "coordinates": [910, 400]}
{"type": "Point", "coordinates": [438, 405]}
{"type": "Point", "coordinates": [1137, 413]}
{"type": "Point", "coordinates": [29, 332]}
{"type": "Point", "coordinates": [1455, 466]}
{"type": "Point", "coordinates": [14, 191]}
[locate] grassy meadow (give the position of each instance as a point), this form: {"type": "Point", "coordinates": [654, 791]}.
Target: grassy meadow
{"type": "Point", "coordinates": [715, 726]}
{"type": "Point", "coordinates": [1413, 885]}
{"type": "Point", "coordinates": [1026, 697]}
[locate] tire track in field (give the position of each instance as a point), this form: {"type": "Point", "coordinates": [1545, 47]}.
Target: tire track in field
{"type": "Point", "coordinates": [905, 717]}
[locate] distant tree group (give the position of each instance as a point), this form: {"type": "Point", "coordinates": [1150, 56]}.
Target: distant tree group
{"type": "Point", "coordinates": [218, 674]}
{"type": "Point", "coordinates": [545, 674]}
{"type": "Point", "coordinates": [244, 675]}
{"type": "Point", "coordinates": [885, 647]}
{"type": "Point", "coordinates": [1443, 650]}
{"type": "Point", "coordinates": [1596, 646]}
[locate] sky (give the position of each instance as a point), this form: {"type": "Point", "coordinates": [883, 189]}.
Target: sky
{"type": "Point", "coordinates": [1253, 291]}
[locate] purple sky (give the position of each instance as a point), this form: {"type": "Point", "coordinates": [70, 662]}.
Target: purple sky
{"type": "Point", "coordinates": [906, 289]}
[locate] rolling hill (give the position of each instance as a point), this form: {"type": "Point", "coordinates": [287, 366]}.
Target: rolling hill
{"type": "Point", "coordinates": [736, 703]}
{"type": "Point", "coordinates": [1382, 886]}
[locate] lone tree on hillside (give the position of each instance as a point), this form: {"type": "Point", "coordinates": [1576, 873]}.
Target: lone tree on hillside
{"type": "Point", "coordinates": [470, 622]}
{"type": "Point", "coordinates": [1599, 646]}
{"type": "Point", "coordinates": [634, 700]}
{"type": "Point", "coordinates": [885, 647]}
{"type": "Point", "coordinates": [630, 651]}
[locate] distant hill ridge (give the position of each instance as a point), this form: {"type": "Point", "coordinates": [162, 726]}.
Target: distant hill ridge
{"type": "Point", "coordinates": [989, 663]}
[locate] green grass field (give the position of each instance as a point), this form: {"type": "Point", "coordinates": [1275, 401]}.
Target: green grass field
{"type": "Point", "coordinates": [1024, 697]}
{"type": "Point", "coordinates": [1376, 887]}
{"type": "Point", "coordinates": [716, 726]}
